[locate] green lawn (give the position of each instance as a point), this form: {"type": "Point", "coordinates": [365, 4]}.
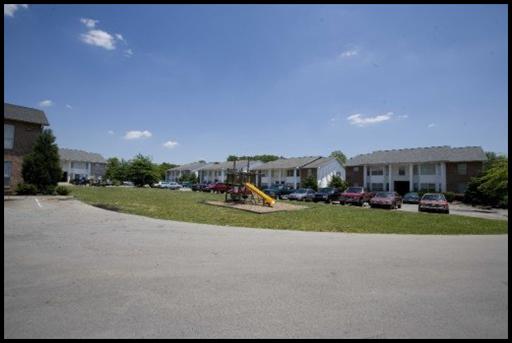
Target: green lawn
{"type": "Point", "coordinates": [189, 207]}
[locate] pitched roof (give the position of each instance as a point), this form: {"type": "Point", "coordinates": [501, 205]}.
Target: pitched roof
{"type": "Point", "coordinates": [418, 155]}
{"type": "Point", "coordinates": [288, 163]}
{"type": "Point", "coordinates": [189, 166]}
{"type": "Point", "coordinates": [229, 165]}
{"type": "Point", "coordinates": [320, 162]}
{"type": "Point", "coordinates": [80, 156]}
{"type": "Point", "coordinates": [25, 114]}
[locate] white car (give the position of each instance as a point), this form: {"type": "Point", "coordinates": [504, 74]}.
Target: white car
{"type": "Point", "coordinates": [173, 185]}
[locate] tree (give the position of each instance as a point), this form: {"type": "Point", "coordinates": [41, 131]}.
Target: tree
{"type": "Point", "coordinates": [310, 182]}
{"type": "Point", "coordinates": [491, 186]}
{"type": "Point", "coordinates": [41, 167]}
{"type": "Point", "coordinates": [142, 171]}
{"type": "Point", "coordinates": [340, 156]}
{"type": "Point", "coordinates": [337, 182]}
{"type": "Point", "coordinates": [263, 158]}
{"type": "Point", "coordinates": [189, 178]}
{"type": "Point", "coordinates": [112, 169]}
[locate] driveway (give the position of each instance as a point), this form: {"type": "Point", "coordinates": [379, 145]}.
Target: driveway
{"type": "Point", "coordinates": [76, 271]}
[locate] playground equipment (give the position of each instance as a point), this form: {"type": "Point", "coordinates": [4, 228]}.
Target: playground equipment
{"type": "Point", "coordinates": [243, 188]}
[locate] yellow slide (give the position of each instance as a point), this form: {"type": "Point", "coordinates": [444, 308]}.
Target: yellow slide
{"type": "Point", "coordinates": [266, 199]}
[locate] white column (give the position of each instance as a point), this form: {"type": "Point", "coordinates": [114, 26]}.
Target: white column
{"type": "Point", "coordinates": [222, 175]}
{"type": "Point", "coordinates": [365, 171]}
{"type": "Point", "coordinates": [443, 177]}
{"type": "Point", "coordinates": [89, 167]}
{"type": "Point", "coordinates": [390, 179]}
{"type": "Point", "coordinates": [411, 177]}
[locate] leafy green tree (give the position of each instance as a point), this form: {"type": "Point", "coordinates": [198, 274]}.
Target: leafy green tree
{"type": "Point", "coordinates": [142, 171]}
{"type": "Point", "coordinates": [310, 182]}
{"type": "Point", "coordinates": [337, 182]}
{"type": "Point", "coordinates": [263, 158]}
{"type": "Point", "coordinates": [189, 178]}
{"type": "Point", "coordinates": [112, 169]}
{"type": "Point", "coordinates": [340, 156]}
{"type": "Point", "coordinates": [491, 186]}
{"type": "Point", "coordinates": [41, 167]}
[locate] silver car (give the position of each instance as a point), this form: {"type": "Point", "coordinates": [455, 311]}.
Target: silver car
{"type": "Point", "coordinates": [302, 194]}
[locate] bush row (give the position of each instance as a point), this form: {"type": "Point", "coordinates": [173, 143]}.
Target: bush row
{"type": "Point", "coordinates": [29, 189]}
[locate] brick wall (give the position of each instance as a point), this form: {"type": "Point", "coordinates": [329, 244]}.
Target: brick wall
{"type": "Point", "coordinates": [453, 178]}
{"type": "Point", "coordinates": [355, 177]}
{"type": "Point", "coordinates": [25, 135]}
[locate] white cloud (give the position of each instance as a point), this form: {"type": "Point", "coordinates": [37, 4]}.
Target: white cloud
{"type": "Point", "coordinates": [10, 9]}
{"type": "Point", "coordinates": [90, 23]}
{"type": "Point", "coordinates": [170, 144]}
{"type": "Point", "coordinates": [99, 38]}
{"type": "Point", "coordinates": [128, 52]}
{"type": "Point", "coordinates": [119, 36]}
{"type": "Point", "coordinates": [431, 125]}
{"type": "Point", "coordinates": [46, 103]}
{"type": "Point", "coordinates": [348, 53]}
{"type": "Point", "coordinates": [69, 106]}
{"type": "Point", "coordinates": [403, 116]}
{"type": "Point", "coordinates": [110, 132]}
{"type": "Point", "coordinates": [137, 134]}
{"type": "Point", "coordinates": [360, 120]}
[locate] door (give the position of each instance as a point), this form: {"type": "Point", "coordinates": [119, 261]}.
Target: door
{"type": "Point", "coordinates": [402, 187]}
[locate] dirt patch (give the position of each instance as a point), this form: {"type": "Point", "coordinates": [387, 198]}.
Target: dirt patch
{"type": "Point", "coordinates": [278, 207]}
{"type": "Point", "coordinates": [107, 207]}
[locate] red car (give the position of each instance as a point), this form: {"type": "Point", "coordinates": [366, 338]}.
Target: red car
{"type": "Point", "coordinates": [433, 202]}
{"type": "Point", "coordinates": [219, 187]}
{"type": "Point", "coordinates": [390, 200]}
{"type": "Point", "coordinates": [355, 195]}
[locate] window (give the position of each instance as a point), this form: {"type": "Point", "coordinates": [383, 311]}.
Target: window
{"type": "Point", "coordinates": [8, 136]}
{"type": "Point", "coordinates": [289, 172]}
{"type": "Point", "coordinates": [428, 169]}
{"type": "Point", "coordinates": [401, 171]}
{"type": "Point", "coordinates": [377, 187]}
{"type": "Point", "coordinates": [7, 172]}
{"type": "Point", "coordinates": [428, 187]}
{"type": "Point", "coordinates": [79, 165]}
{"type": "Point", "coordinates": [356, 169]}
{"type": "Point", "coordinates": [462, 168]}
{"type": "Point", "coordinates": [415, 170]}
{"type": "Point", "coordinates": [377, 171]}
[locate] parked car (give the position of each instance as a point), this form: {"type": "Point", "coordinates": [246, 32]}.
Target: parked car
{"type": "Point", "coordinates": [411, 198]}
{"type": "Point", "coordinates": [219, 187]}
{"type": "Point", "coordinates": [80, 181]}
{"type": "Point", "coordinates": [278, 191]}
{"type": "Point", "coordinates": [391, 200]}
{"type": "Point", "coordinates": [159, 184]}
{"type": "Point", "coordinates": [197, 186]}
{"type": "Point", "coordinates": [327, 195]}
{"type": "Point", "coordinates": [433, 202]}
{"type": "Point", "coordinates": [355, 195]}
{"type": "Point", "coordinates": [173, 185]}
{"type": "Point", "coordinates": [186, 184]}
{"type": "Point", "coordinates": [128, 183]}
{"type": "Point", "coordinates": [302, 194]}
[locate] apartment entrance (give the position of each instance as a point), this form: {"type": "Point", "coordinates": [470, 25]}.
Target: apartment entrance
{"type": "Point", "coordinates": [401, 187]}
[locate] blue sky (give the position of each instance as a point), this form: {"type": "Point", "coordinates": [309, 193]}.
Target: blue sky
{"type": "Point", "coordinates": [188, 82]}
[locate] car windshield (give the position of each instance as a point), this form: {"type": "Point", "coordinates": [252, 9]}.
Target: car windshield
{"type": "Point", "coordinates": [354, 190]}
{"type": "Point", "coordinates": [300, 190]}
{"type": "Point", "coordinates": [325, 190]}
{"type": "Point", "coordinates": [384, 195]}
{"type": "Point", "coordinates": [411, 195]}
{"type": "Point", "coordinates": [433, 197]}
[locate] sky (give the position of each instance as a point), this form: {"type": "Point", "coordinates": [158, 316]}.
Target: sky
{"type": "Point", "coordinates": [183, 83]}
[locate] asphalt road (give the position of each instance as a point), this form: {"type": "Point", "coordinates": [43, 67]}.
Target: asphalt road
{"type": "Point", "coordinates": [76, 271]}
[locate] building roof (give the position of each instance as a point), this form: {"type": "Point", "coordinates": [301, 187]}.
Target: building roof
{"type": "Point", "coordinates": [24, 114]}
{"type": "Point", "coordinates": [190, 166]}
{"type": "Point", "coordinates": [419, 155]}
{"type": "Point", "coordinates": [320, 162]}
{"type": "Point", "coordinates": [229, 165]}
{"type": "Point", "coordinates": [288, 163]}
{"type": "Point", "coordinates": [80, 156]}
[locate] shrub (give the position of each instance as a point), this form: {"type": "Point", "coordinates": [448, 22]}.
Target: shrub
{"type": "Point", "coordinates": [310, 182]}
{"type": "Point", "coordinates": [116, 183]}
{"type": "Point", "coordinates": [62, 190]}
{"type": "Point", "coordinates": [26, 189]}
{"type": "Point", "coordinates": [450, 196]}
{"type": "Point", "coordinates": [48, 190]}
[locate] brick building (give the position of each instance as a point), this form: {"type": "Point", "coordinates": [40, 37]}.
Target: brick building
{"type": "Point", "coordinates": [22, 126]}
{"type": "Point", "coordinates": [437, 169]}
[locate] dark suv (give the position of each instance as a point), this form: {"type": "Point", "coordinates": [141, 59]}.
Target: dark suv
{"type": "Point", "coordinates": [278, 191]}
{"type": "Point", "coordinates": [327, 195]}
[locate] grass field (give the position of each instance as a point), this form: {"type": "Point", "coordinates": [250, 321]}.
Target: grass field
{"type": "Point", "coordinates": [189, 207]}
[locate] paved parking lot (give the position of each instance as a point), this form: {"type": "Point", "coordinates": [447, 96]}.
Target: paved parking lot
{"type": "Point", "coordinates": [466, 210]}
{"type": "Point", "coordinates": [72, 270]}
